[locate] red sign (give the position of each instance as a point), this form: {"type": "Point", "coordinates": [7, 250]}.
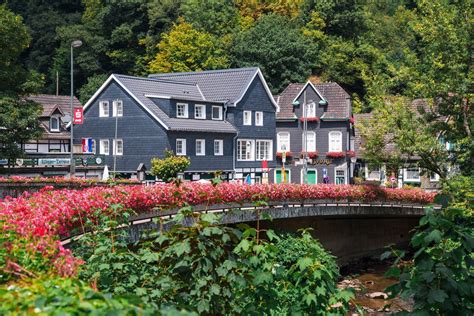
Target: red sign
{"type": "Point", "coordinates": [78, 116]}
{"type": "Point", "coordinates": [264, 164]}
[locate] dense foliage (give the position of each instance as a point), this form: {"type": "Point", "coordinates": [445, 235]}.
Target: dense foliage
{"type": "Point", "coordinates": [440, 277]}
{"type": "Point", "coordinates": [167, 168]}
{"type": "Point", "coordinates": [214, 269]}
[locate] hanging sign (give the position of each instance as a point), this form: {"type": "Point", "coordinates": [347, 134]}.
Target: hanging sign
{"type": "Point", "coordinates": [78, 116]}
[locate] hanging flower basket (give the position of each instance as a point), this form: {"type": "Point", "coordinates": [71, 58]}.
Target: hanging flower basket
{"type": "Point", "coordinates": [335, 154]}
{"type": "Point", "coordinates": [309, 119]}
{"type": "Point", "coordinates": [350, 153]}
{"type": "Point", "coordinates": [289, 154]}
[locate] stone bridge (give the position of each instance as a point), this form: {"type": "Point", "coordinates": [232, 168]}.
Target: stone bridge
{"type": "Point", "coordinates": [349, 229]}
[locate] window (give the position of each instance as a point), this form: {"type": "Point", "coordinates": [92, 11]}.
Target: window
{"type": "Point", "coordinates": [340, 176]}
{"type": "Point", "coordinates": [245, 150]}
{"type": "Point", "coordinates": [434, 177]}
{"type": "Point", "coordinates": [247, 117]}
{"type": "Point", "coordinates": [104, 147]}
{"type": "Point", "coordinates": [310, 141]}
{"type": "Point", "coordinates": [117, 108]}
{"type": "Point", "coordinates": [264, 150]}
{"type": "Point", "coordinates": [200, 147]}
{"type": "Point", "coordinates": [311, 176]}
{"type": "Point", "coordinates": [182, 110]}
{"type": "Point", "coordinates": [54, 124]}
{"type": "Point", "coordinates": [118, 147]}
{"type": "Point", "coordinates": [181, 147]}
{"type": "Point", "coordinates": [283, 140]}
{"type": "Point", "coordinates": [259, 118]}
{"type": "Point", "coordinates": [412, 174]}
{"type": "Point", "coordinates": [372, 173]}
{"type": "Point", "coordinates": [218, 147]}
{"type": "Point", "coordinates": [311, 110]}
{"type": "Point", "coordinates": [335, 141]}
{"type": "Point", "coordinates": [200, 111]}
{"type": "Point", "coordinates": [216, 112]}
{"type": "Point", "coordinates": [104, 108]}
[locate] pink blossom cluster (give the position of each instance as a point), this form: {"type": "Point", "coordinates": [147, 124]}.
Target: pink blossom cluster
{"type": "Point", "coordinates": [44, 216]}
{"type": "Point", "coordinates": [59, 180]}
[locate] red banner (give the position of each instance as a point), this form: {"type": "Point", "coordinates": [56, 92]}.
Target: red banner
{"type": "Point", "coordinates": [78, 116]}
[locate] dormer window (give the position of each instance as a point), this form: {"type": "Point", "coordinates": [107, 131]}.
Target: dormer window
{"type": "Point", "coordinates": [182, 110]}
{"type": "Point", "coordinates": [311, 109]}
{"type": "Point", "coordinates": [54, 124]}
{"type": "Point", "coordinates": [216, 112]}
{"type": "Point", "coordinates": [200, 111]}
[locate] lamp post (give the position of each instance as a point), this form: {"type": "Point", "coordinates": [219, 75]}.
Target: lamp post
{"type": "Point", "coordinates": [72, 170]}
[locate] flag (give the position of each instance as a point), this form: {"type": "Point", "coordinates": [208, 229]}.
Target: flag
{"type": "Point", "coordinates": [87, 145]}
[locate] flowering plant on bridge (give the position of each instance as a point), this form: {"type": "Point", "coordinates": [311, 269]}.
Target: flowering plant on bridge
{"type": "Point", "coordinates": [43, 216]}
{"type": "Point", "coordinates": [61, 180]}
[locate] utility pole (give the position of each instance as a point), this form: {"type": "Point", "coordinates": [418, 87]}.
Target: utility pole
{"type": "Point", "coordinates": [305, 135]}
{"type": "Point", "coordinates": [72, 169]}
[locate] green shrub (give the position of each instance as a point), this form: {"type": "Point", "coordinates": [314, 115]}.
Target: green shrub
{"type": "Point", "coordinates": [169, 167]}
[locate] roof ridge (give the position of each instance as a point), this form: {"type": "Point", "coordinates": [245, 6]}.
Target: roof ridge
{"type": "Point", "coordinates": [202, 72]}
{"type": "Point", "coordinates": [156, 80]}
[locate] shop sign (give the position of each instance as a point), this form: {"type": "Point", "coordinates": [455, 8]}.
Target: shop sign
{"type": "Point", "coordinates": [3, 161]}
{"type": "Point", "coordinates": [54, 161]}
{"type": "Point", "coordinates": [321, 162]}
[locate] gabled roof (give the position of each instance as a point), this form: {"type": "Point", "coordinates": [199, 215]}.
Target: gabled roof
{"type": "Point", "coordinates": [52, 102]}
{"type": "Point", "coordinates": [339, 104]}
{"type": "Point", "coordinates": [143, 90]}
{"type": "Point", "coordinates": [220, 85]}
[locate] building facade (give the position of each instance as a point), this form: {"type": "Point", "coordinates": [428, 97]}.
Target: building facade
{"type": "Point", "coordinates": [314, 124]}
{"type": "Point", "coordinates": [223, 120]}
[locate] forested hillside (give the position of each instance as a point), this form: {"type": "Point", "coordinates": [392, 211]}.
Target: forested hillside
{"type": "Point", "coordinates": [372, 48]}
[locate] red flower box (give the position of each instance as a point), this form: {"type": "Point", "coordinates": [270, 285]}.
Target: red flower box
{"type": "Point", "coordinates": [309, 119]}
{"type": "Point", "coordinates": [335, 154]}
{"type": "Point", "coordinates": [288, 154]}
{"type": "Point", "coordinates": [350, 153]}
{"type": "Point", "coordinates": [313, 154]}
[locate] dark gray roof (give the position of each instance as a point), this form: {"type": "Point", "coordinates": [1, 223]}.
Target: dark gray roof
{"type": "Point", "coordinates": [216, 85]}
{"type": "Point", "coordinates": [140, 87]}
{"type": "Point", "coordinates": [339, 104]}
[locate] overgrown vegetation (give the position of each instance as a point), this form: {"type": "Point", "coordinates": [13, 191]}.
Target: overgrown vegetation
{"type": "Point", "coordinates": [212, 269]}
{"type": "Point", "coordinates": [440, 277]}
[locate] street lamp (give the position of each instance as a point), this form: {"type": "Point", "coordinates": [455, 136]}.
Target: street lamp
{"type": "Point", "coordinates": [74, 44]}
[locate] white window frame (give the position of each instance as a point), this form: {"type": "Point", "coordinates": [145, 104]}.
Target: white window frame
{"type": "Point", "coordinates": [368, 172]}
{"type": "Point", "coordinates": [102, 147]}
{"type": "Point", "coordinates": [311, 106]}
{"type": "Point", "coordinates": [258, 118]}
{"type": "Point", "coordinates": [306, 147]}
{"type": "Point", "coordinates": [220, 113]}
{"type": "Point", "coordinates": [251, 151]}
{"type": "Point", "coordinates": [220, 152]}
{"type": "Point", "coordinates": [203, 111]}
{"type": "Point", "coordinates": [247, 118]}
{"type": "Point", "coordinates": [405, 175]}
{"type": "Point", "coordinates": [434, 177]}
{"type": "Point", "coordinates": [309, 169]}
{"type": "Point", "coordinates": [203, 147]}
{"type": "Point", "coordinates": [115, 107]}
{"type": "Point", "coordinates": [185, 114]}
{"type": "Point", "coordinates": [279, 143]}
{"type": "Point", "coordinates": [115, 146]}
{"type": "Point", "coordinates": [270, 149]}
{"type": "Point", "coordinates": [183, 146]}
{"type": "Point", "coordinates": [343, 168]}
{"type": "Point", "coordinates": [55, 117]}
{"type": "Point", "coordinates": [103, 105]}
{"type": "Point", "coordinates": [335, 135]}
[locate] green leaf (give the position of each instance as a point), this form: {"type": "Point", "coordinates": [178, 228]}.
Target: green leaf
{"type": "Point", "coordinates": [437, 295]}
{"type": "Point", "coordinates": [434, 235]}
{"type": "Point", "coordinates": [310, 298]}
{"type": "Point", "coordinates": [304, 262]}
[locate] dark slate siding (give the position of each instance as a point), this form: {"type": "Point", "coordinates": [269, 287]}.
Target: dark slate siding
{"type": "Point", "coordinates": [209, 162]}
{"type": "Point", "coordinates": [256, 99]}
{"type": "Point", "coordinates": [311, 95]}
{"type": "Point", "coordinates": [143, 137]}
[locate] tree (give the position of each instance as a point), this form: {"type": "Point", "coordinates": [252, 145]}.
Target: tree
{"type": "Point", "coordinates": [168, 168]}
{"type": "Point", "coordinates": [89, 88]}
{"type": "Point", "coordinates": [18, 116]}
{"type": "Point", "coordinates": [277, 47]}
{"type": "Point", "coordinates": [186, 49]}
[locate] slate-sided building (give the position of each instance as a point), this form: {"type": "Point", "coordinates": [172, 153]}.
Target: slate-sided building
{"type": "Point", "coordinates": [329, 139]}
{"type": "Point", "coordinates": [224, 120]}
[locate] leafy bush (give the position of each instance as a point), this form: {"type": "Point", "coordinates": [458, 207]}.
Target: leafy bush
{"type": "Point", "coordinates": [215, 269]}
{"type": "Point", "coordinates": [169, 167]}
{"type": "Point", "coordinates": [440, 277]}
